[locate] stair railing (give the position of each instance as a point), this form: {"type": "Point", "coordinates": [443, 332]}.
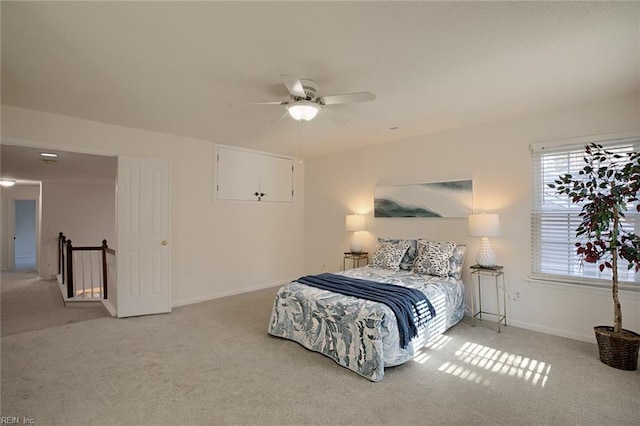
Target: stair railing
{"type": "Point", "coordinates": [67, 267]}
{"type": "Point", "coordinates": [62, 240]}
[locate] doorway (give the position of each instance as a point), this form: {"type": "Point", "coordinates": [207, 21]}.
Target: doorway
{"type": "Point", "coordinates": [24, 235]}
{"type": "Point", "coordinates": [149, 195]}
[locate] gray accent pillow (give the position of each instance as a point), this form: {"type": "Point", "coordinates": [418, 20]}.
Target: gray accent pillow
{"type": "Point", "coordinates": [409, 257]}
{"type": "Point", "coordinates": [388, 255]}
{"type": "Point", "coordinates": [433, 258]}
{"type": "Point", "coordinates": [456, 260]}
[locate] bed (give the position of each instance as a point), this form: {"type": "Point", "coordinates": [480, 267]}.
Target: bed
{"type": "Point", "coordinates": [360, 334]}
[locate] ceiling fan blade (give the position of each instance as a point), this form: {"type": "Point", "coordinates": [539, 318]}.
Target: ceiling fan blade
{"type": "Point", "coordinates": [283, 115]}
{"type": "Point", "coordinates": [347, 98]}
{"type": "Point", "coordinates": [264, 103]}
{"type": "Point", "coordinates": [294, 85]}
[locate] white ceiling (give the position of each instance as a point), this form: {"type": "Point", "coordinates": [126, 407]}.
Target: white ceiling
{"type": "Point", "coordinates": [25, 165]}
{"type": "Point", "coordinates": [175, 67]}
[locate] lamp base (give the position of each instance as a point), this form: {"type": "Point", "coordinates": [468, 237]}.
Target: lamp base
{"type": "Point", "coordinates": [486, 255]}
{"type": "Point", "coordinates": [356, 247]}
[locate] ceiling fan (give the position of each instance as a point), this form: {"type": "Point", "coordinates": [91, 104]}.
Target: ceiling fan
{"type": "Point", "coordinates": [305, 103]}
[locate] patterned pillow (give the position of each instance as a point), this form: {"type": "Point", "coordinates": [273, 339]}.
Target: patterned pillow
{"type": "Point", "coordinates": [388, 255]}
{"type": "Point", "coordinates": [433, 258]}
{"type": "Point", "coordinates": [409, 257]}
{"type": "Point", "coordinates": [456, 260]}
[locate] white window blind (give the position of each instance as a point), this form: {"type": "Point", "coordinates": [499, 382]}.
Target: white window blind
{"type": "Point", "coordinates": [554, 218]}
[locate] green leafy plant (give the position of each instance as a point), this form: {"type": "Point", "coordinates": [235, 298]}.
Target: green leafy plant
{"type": "Point", "coordinates": [606, 185]}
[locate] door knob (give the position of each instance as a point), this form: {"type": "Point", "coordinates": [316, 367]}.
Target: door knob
{"type": "Point", "coordinates": [164, 242]}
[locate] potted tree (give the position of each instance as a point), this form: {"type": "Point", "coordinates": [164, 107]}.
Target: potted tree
{"type": "Point", "coordinates": [606, 185]}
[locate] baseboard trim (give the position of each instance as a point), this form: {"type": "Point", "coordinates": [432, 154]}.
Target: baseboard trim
{"type": "Point", "coordinates": [553, 331]}
{"type": "Point", "coordinates": [589, 338]}
{"type": "Point", "coordinates": [528, 326]}
{"type": "Point", "coordinates": [226, 294]}
{"type": "Point", "coordinates": [109, 307]}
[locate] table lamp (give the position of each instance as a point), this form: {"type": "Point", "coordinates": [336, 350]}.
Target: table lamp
{"type": "Point", "coordinates": [484, 225]}
{"type": "Point", "coordinates": [355, 223]}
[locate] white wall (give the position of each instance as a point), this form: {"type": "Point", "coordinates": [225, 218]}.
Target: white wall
{"type": "Point", "coordinates": [84, 212]}
{"type": "Point", "coordinates": [17, 192]}
{"type": "Point", "coordinates": [496, 156]}
{"type": "Point", "coordinates": [217, 248]}
{"type": "Point", "coordinates": [225, 248]}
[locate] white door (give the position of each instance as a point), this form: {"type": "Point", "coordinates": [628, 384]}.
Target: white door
{"type": "Point", "coordinates": [24, 235]}
{"type": "Point", "coordinates": [143, 251]}
{"type": "Point", "coordinates": [276, 178]}
{"type": "Point", "coordinates": [238, 175]}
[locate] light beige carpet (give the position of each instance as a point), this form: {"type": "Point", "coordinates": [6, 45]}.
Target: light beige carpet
{"type": "Point", "coordinates": [213, 363]}
{"type": "Point", "coordinates": [29, 303]}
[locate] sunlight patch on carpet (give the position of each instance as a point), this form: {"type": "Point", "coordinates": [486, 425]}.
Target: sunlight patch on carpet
{"type": "Point", "coordinates": [424, 353]}
{"type": "Point", "coordinates": [476, 358]}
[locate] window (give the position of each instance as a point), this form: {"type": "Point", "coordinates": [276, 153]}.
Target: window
{"type": "Point", "coordinates": [554, 218]}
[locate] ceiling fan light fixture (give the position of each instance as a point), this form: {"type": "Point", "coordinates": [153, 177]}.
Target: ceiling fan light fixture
{"type": "Point", "coordinates": [303, 110]}
{"type": "Point", "coordinates": [7, 182]}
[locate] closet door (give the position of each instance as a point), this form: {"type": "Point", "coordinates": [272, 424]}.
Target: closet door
{"type": "Point", "coordinates": [238, 174]}
{"type": "Point", "coordinates": [276, 179]}
{"type": "Point", "coordinates": [244, 175]}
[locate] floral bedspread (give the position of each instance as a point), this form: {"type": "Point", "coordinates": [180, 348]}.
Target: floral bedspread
{"type": "Point", "coordinates": [359, 334]}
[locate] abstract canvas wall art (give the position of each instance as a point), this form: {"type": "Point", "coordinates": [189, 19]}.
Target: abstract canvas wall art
{"type": "Point", "coordinates": [430, 200]}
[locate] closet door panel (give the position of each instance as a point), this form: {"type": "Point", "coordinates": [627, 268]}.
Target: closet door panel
{"type": "Point", "coordinates": [276, 179]}
{"type": "Point", "coordinates": [238, 175]}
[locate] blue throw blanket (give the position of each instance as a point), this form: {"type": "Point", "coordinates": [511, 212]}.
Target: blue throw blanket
{"type": "Point", "coordinates": [411, 306]}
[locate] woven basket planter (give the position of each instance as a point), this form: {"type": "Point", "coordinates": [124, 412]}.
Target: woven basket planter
{"type": "Point", "coordinates": [618, 350]}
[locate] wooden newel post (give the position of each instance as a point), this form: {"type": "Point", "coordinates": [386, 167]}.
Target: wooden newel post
{"type": "Point", "coordinates": [69, 270]}
{"type": "Point", "coordinates": [104, 268]}
{"type": "Point", "coordinates": [60, 254]}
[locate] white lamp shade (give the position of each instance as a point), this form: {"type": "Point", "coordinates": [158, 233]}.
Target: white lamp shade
{"type": "Point", "coordinates": [354, 222]}
{"type": "Point", "coordinates": [484, 225]}
{"type": "Point", "coordinates": [303, 110]}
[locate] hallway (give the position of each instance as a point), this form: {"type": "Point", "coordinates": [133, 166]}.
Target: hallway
{"type": "Point", "coordinates": [30, 303]}
{"type": "Point", "coordinates": [25, 264]}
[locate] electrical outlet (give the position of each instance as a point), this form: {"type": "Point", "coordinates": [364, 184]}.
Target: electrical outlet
{"type": "Point", "coordinates": [516, 296]}
{"type": "Point", "coordinates": [324, 266]}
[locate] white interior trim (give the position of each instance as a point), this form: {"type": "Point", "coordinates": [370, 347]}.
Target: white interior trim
{"type": "Point", "coordinates": [228, 293]}
{"type": "Point", "coordinates": [553, 331]}
{"type": "Point", "coordinates": [109, 307]}
{"type": "Point", "coordinates": [582, 287]}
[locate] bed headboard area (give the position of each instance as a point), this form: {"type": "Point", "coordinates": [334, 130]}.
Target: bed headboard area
{"type": "Point", "coordinates": [437, 258]}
